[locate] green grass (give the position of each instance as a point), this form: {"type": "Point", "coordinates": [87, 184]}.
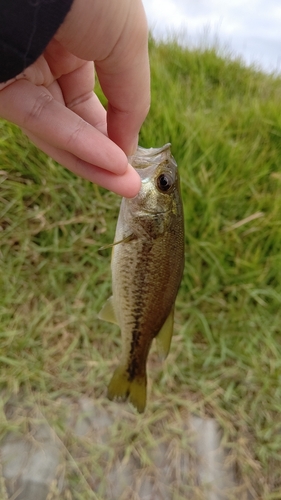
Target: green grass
{"type": "Point", "coordinates": [224, 123]}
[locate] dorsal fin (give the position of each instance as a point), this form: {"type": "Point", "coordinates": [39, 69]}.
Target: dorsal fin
{"type": "Point", "coordinates": [164, 337]}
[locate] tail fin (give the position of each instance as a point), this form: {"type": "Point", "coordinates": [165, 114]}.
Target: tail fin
{"type": "Point", "coordinates": [120, 388]}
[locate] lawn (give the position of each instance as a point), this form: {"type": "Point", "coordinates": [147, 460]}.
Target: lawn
{"type": "Point", "coordinates": [224, 122]}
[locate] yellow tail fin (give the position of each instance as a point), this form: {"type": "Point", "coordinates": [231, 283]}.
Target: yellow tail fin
{"type": "Point", "coordinates": [120, 388]}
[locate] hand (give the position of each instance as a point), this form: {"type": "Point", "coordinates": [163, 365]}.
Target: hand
{"type": "Point", "coordinates": [53, 100]}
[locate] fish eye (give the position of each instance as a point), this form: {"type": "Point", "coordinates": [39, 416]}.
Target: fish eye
{"type": "Point", "coordinates": [164, 182]}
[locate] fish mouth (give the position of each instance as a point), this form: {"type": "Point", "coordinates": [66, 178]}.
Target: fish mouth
{"type": "Point", "coordinates": [146, 157]}
{"type": "Point", "coordinates": [151, 212]}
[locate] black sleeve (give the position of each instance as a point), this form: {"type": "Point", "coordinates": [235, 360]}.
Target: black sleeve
{"type": "Point", "coordinates": [26, 27]}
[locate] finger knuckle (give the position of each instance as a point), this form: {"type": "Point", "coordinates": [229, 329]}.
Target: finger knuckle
{"type": "Point", "coordinates": [39, 106]}
{"type": "Point", "coordinates": [77, 134]}
{"type": "Point", "coordinates": [82, 99]}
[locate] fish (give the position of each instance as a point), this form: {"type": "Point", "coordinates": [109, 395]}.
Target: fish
{"type": "Point", "coordinates": [147, 266]}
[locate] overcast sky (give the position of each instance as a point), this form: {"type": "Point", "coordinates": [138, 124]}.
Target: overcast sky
{"type": "Point", "coordinates": [249, 28]}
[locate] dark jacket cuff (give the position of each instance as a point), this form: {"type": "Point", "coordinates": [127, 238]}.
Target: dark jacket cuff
{"type": "Point", "coordinates": [26, 27]}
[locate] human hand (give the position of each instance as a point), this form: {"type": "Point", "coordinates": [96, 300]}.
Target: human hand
{"type": "Point", "coordinates": [53, 100]}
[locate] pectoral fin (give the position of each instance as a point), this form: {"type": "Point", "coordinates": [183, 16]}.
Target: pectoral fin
{"type": "Point", "coordinates": [125, 240]}
{"type": "Point", "coordinates": [164, 337]}
{"type": "Point", "coordinates": [107, 312]}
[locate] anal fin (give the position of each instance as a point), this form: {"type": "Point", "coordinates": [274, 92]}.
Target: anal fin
{"type": "Point", "coordinates": [107, 312]}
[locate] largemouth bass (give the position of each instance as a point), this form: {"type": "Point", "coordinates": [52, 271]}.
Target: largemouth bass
{"type": "Point", "coordinates": [147, 265]}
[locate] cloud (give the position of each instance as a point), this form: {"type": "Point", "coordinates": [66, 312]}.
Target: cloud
{"type": "Point", "coordinates": [163, 14]}
{"type": "Point", "coordinates": [251, 29]}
